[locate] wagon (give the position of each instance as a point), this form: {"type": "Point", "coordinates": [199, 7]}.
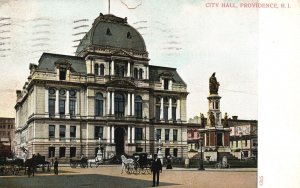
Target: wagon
{"type": "Point", "coordinates": [144, 163]}
{"type": "Point", "coordinates": [83, 162]}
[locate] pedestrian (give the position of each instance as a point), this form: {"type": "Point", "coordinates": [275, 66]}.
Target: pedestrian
{"type": "Point", "coordinates": [169, 163]}
{"type": "Point", "coordinates": [56, 166]}
{"type": "Point", "coordinates": [156, 168]}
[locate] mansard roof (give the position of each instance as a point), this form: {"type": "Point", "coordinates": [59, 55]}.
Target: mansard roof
{"type": "Point", "coordinates": [47, 62]}
{"type": "Point", "coordinates": [155, 72]}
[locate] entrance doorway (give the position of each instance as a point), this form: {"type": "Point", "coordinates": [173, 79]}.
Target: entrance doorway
{"type": "Point", "coordinates": [119, 140]}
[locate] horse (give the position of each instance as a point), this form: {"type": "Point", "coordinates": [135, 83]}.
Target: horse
{"type": "Point", "coordinates": [95, 161]}
{"type": "Point", "coordinates": [125, 162]}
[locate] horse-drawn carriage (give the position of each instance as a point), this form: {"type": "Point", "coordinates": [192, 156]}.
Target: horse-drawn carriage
{"type": "Point", "coordinates": [10, 166]}
{"type": "Point", "coordinates": [139, 164]}
{"type": "Point", "coordinates": [82, 162]}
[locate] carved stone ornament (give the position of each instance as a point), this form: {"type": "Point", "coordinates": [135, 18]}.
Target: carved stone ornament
{"type": "Point", "coordinates": [121, 83]}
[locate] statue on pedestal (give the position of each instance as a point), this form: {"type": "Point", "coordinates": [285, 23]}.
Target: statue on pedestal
{"type": "Point", "coordinates": [213, 84]}
{"type": "Point", "coordinates": [225, 120]}
{"type": "Point", "coordinates": [202, 124]}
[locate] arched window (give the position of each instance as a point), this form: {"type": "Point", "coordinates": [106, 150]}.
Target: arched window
{"type": "Point", "coordinates": [101, 69]}
{"type": "Point", "coordinates": [141, 74]}
{"type": "Point", "coordinates": [96, 69]}
{"type": "Point", "coordinates": [62, 101]}
{"type": "Point", "coordinates": [135, 73]}
{"type": "Point", "coordinates": [138, 107]}
{"type": "Point", "coordinates": [99, 105]}
{"type": "Point", "coordinates": [119, 105]}
{"type": "Point", "coordinates": [72, 102]}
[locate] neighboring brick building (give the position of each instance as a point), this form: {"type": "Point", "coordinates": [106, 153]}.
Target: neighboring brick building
{"type": "Point", "coordinates": [108, 91]}
{"type": "Point", "coordinates": [7, 135]}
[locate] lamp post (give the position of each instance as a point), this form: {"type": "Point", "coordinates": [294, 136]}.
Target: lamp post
{"type": "Point", "coordinates": [99, 153]}
{"type": "Point", "coordinates": [201, 158]}
{"type": "Point", "coordinates": [241, 137]}
{"type": "Point", "coordinates": [159, 154]}
{"type": "Point", "coordinates": [145, 119]}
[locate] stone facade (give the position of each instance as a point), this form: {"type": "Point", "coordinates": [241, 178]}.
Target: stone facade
{"type": "Point", "coordinates": [7, 134]}
{"type": "Point", "coordinates": [106, 91]}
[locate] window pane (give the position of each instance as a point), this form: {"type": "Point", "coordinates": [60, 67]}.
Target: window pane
{"type": "Point", "coordinates": [62, 131]}
{"type": "Point", "coordinates": [73, 131]}
{"type": "Point", "coordinates": [51, 106]}
{"type": "Point", "coordinates": [158, 134]}
{"type": "Point", "coordinates": [72, 151]}
{"type": "Point", "coordinates": [175, 135]}
{"type": "Point", "coordinates": [157, 114]}
{"type": "Point", "coordinates": [61, 106]}
{"type": "Point", "coordinates": [51, 131]}
{"type": "Point", "coordinates": [174, 113]}
{"type": "Point", "coordinates": [62, 152]}
{"type": "Point", "coordinates": [165, 113]}
{"type": "Point", "coordinates": [167, 133]}
{"type": "Point", "coordinates": [138, 133]}
{"type": "Point", "coordinates": [72, 107]}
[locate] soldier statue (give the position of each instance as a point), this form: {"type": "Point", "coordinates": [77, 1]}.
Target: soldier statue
{"type": "Point", "coordinates": [212, 119]}
{"type": "Point", "coordinates": [213, 84]}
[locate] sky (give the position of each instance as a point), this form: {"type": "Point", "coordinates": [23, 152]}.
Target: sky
{"type": "Point", "coordinates": [184, 34]}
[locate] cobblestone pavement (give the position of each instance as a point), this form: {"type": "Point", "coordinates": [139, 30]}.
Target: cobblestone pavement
{"type": "Point", "coordinates": [111, 177]}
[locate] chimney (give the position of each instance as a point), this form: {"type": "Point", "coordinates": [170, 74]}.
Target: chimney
{"type": "Point", "coordinates": [234, 117]}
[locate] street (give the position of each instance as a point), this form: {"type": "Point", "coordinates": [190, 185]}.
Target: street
{"type": "Point", "coordinates": [110, 176]}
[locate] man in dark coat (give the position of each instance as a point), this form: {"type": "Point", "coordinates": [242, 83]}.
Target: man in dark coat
{"type": "Point", "coordinates": [156, 168]}
{"type": "Point", "coordinates": [56, 166]}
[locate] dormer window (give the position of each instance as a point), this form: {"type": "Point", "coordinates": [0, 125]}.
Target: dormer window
{"type": "Point", "coordinates": [166, 84]}
{"type": "Point", "coordinates": [108, 32]}
{"type": "Point", "coordinates": [129, 35]}
{"type": "Point", "coordinates": [62, 73]}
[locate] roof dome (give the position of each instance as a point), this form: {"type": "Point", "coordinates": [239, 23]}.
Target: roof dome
{"type": "Point", "coordinates": [109, 31]}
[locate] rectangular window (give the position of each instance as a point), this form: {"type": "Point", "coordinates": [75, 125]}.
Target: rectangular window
{"type": "Point", "coordinates": [61, 106]}
{"type": "Point", "coordinates": [138, 133]}
{"type": "Point", "coordinates": [166, 113]}
{"type": "Point", "coordinates": [51, 106]}
{"type": "Point", "coordinates": [175, 152]}
{"type": "Point", "coordinates": [174, 114]}
{"type": "Point", "coordinates": [51, 152]}
{"type": "Point", "coordinates": [158, 134]}
{"type": "Point", "coordinates": [99, 108]}
{"type": "Point", "coordinates": [166, 84]}
{"type": "Point", "coordinates": [157, 113]}
{"type": "Point", "coordinates": [72, 107]}
{"type": "Point", "coordinates": [167, 134]}
{"type": "Point", "coordinates": [98, 132]}
{"type": "Point", "coordinates": [73, 132]}
{"type": "Point", "coordinates": [207, 139]}
{"type": "Point", "coordinates": [236, 144]}
{"type": "Point", "coordinates": [246, 143]}
{"type": "Point", "coordinates": [62, 152]}
{"type": "Point", "coordinates": [62, 74]}
{"type": "Point", "coordinates": [72, 152]}
{"type": "Point", "coordinates": [62, 132]}
{"type": "Point", "coordinates": [175, 131]}
{"type": "Point", "coordinates": [139, 150]}
{"type": "Point", "coordinates": [167, 152]}
{"type": "Point", "coordinates": [51, 132]}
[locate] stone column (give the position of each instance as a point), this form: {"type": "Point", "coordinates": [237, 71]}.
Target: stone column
{"type": "Point", "coordinates": [170, 85]}
{"type": "Point", "coordinates": [128, 105]}
{"type": "Point", "coordinates": [56, 132]}
{"type": "Point", "coordinates": [178, 109]}
{"type": "Point", "coordinates": [132, 134]}
{"type": "Point", "coordinates": [161, 108]}
{"type": "Point", "coordinates": [67, 103]}
{"type": "Point", "coordinates": [46, 102]}
{"type": "Point", "coordinates": [112, 68]}
{"type": "Point", "coordinates": [170, 109]}
{"type": "Point", "coordinates": [128, 69]}
{"type": "Point", "coordinates": [128, 134]}
{"type": "Point", "coordinates": [112, 102]}
{"type": "Point", "coordinates": [132, 104]}
{"type": "Point", "coordinates": [108, 134]}
{"type": "Point", "coordinates": [112, 134]}
{"type": "Point", "coordinates": [57, 102]}
{"type": "Point", "coordinates": [77, 110]}
{"type": "Point", "coordinates": [108, 102]}
{"type": "Point", "coordinates": [93, 65]}
{"type": "Point", "coordinates": [99, 69]}
{"type": "Point", "coordinates": [147, 72]}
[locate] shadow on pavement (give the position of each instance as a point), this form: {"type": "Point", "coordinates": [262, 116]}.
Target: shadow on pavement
{"type": "Point", "coordinates": [74, 181]}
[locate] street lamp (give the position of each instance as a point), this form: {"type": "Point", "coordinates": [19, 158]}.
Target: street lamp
{"type": "Point", "coordinates": [200, 152]}
{"type": "Point", "coordinates": [159, 154]}
{"type": "Point", "coordinates": [241, 137]}
{"type": "Point", "coordinates": [99, 153]}
{"type": "Point", "coordinates": [145, 119]}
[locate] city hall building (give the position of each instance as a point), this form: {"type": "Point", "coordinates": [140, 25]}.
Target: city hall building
{"type": "Point", "coordinates": [107, 95]}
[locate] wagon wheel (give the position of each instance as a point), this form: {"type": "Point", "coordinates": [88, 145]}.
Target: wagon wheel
{"type": "Point", "coordinates": [83, 165]}
{"type": "Point", "coordinates": [73, 164]}
{"type": "Point", "coordinates": [143, 170]}
{"type": "Point", "coordinates": [127, 169]}
{"type": "Point", "coordinates": [148, 169]}
{"type": "Point", "coordinates": [16, 170]}
{"type": "Point", "coordinates": [136, 168]}
{"type": "Point", "coordinates": [8, 170]}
